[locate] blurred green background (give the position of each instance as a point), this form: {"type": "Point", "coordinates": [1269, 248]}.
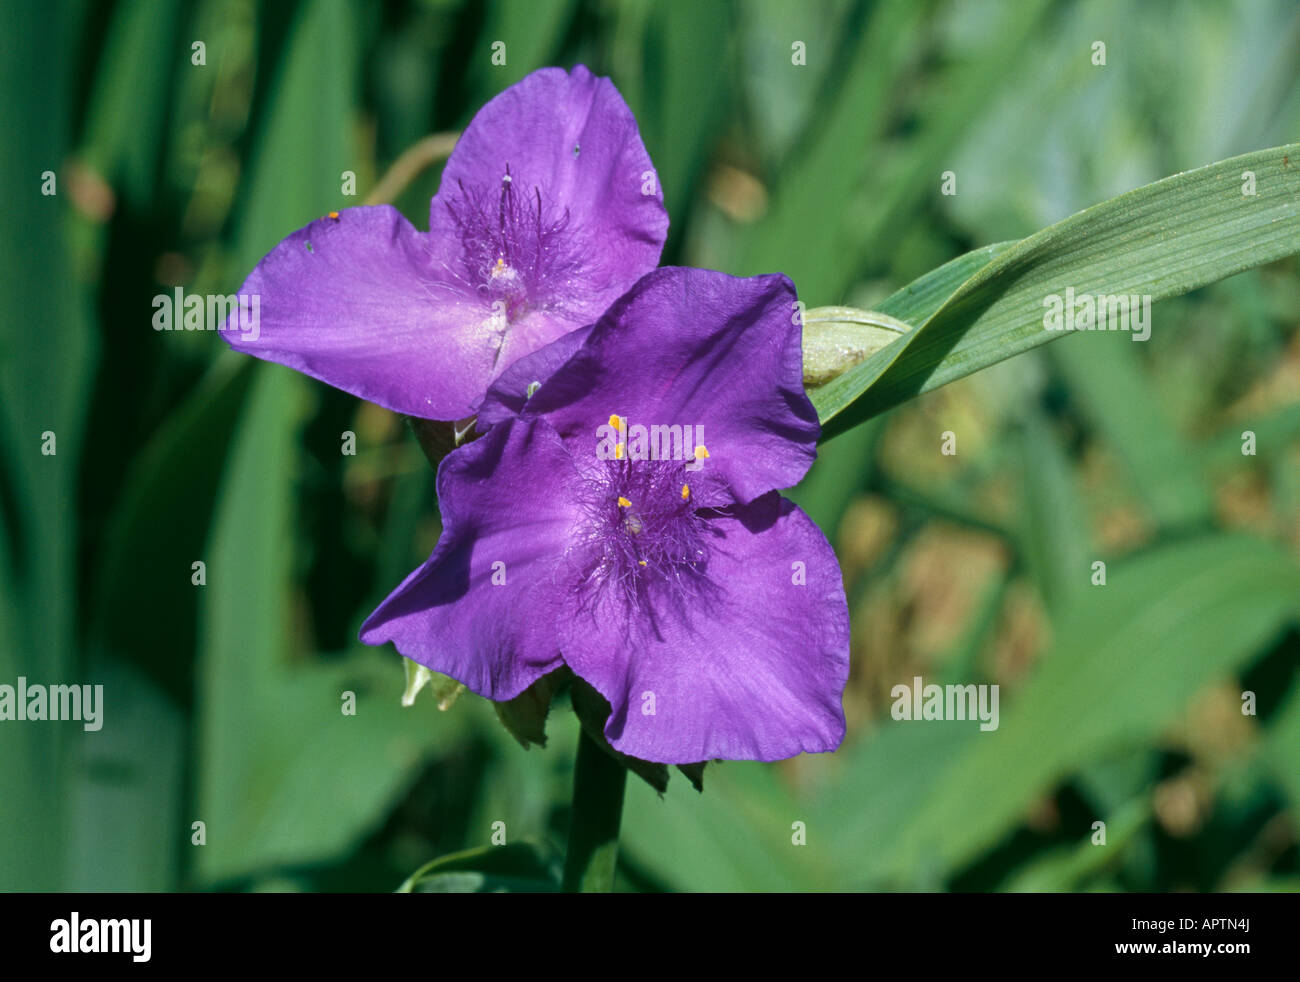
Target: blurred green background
{"type": "Point", "coordinates": [222, 702]}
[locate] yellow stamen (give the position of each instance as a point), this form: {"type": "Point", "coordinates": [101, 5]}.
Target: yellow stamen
{"type": "Point", "coordinates": [618, 451]}
{"type": "Point", "coordinates": [616, 422]}
{"type": "Point", "coordinates": [701, 451]}
{"type": "Point", "coordinates": [640, 562]}
{"type": "Point", "coordinates": [623, 502]}
{"type": "Point", "coordinates": [334, 215]}
{"type": "Point", "coordinates": [686, 491]}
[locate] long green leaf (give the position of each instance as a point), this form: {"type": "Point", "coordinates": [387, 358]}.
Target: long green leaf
{"type": "Point", "coordinates": [1056, 550]}
{"type": "Point", "coordinates": [285, 775]}
{"type": "Point", "coordinates": [1107, 377]}
{"type": "Point", "coordinates": [1129, 657]}
{"type": "Point", "coordinates": [47, 358]}
{"type": "Point", "coordinates": [518, 37]}
{"type": "Point", "coordinates": [1160, 240]}
{"type": "Point", "coordinates": [842, 466]}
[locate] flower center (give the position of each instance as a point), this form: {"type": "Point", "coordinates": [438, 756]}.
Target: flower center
{"type": "Point", "coordinates": [642, 531]}
{"type": "Point", "coordinates": [517, 251]}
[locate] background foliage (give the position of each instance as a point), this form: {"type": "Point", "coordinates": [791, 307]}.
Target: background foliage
{"type": "Point", "coordinates": [223, 701]}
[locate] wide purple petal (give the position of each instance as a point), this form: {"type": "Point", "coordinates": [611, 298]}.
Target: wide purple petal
{"type": "Point", "coordinates": [580, 180]}
{"type": "Point", "coordinates": [740, 661]}
{"type": "Point", "coordinates": [699, 348]}
{"type": "Point", "coordinates": [483, 608]}
{"type": "Point", "coordinates": [357, 301]}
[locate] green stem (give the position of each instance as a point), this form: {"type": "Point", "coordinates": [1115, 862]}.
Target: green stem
{"type": "Point", "coordinates": [598, 783]}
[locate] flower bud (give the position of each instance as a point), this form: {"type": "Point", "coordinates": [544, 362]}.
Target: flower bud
{"type": "Point", "coordinates": [837, 338]}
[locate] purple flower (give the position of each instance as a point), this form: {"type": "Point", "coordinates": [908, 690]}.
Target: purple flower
{"type": "Point", "coordinates": [549, 209]}
{"type": "Point", "coordinates": [622, 520]}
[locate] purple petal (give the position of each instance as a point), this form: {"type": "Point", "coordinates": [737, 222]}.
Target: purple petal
{"type": "Point", "coordinates": [739, 662]}
{"type": "Point", "coordinates": [696, 348]}
{"type": "Point", "coordinates": [553, 171]}
{"type": "Point", "coordinates": [483, 608]}
{"type": "Point", "coordinates": [355, 302]}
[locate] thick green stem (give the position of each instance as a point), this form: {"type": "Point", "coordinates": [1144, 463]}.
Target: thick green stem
{"type": "Point", "coordinates": [598, 783]}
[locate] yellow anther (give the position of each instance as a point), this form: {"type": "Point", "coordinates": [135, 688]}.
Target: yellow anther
{"type": "Point", "coordinates": [618, 451]}
{"type": "Point", "coordinates": [616, 422]}
{"type": "Point", "coordinates": [640, 562]}
{"type": "Point", "coordinates": [701, 451]}
{"type": "Point", "coordinates": [686, 491]}
{"type": "Point", "coordinates": [334, 215]}
{"type": "Point", "coordinates": [623, 502]}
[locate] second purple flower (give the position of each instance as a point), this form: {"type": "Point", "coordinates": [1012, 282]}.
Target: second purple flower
{"type": "Point", "coordinates": [549, 209]}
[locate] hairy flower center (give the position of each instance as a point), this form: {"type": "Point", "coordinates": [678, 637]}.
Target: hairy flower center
{"type": "Point", "coordinates": [518, 251]}
{"type": "Point", "coordinates": [642, 531]}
